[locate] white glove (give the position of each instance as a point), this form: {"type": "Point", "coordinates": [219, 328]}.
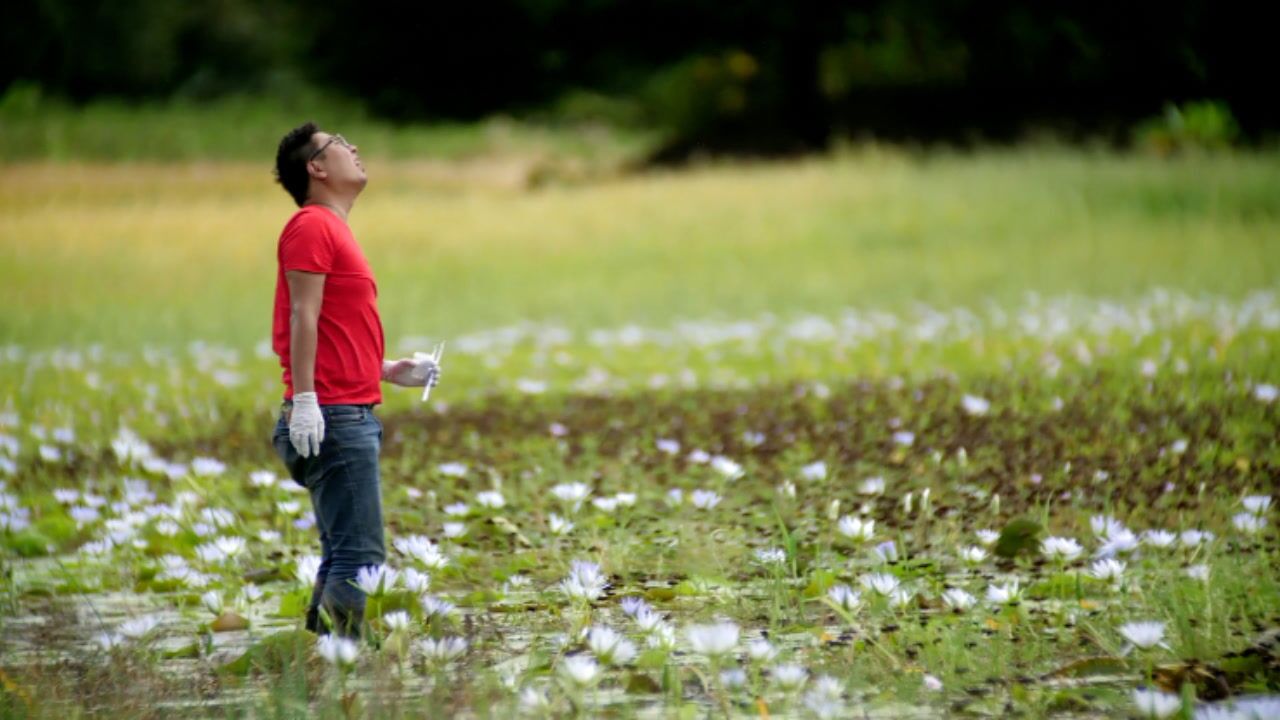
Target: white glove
{"type": "Point", "coordinates": [421, 371]}
{"type": "Point", "coordinates": [306, 424]}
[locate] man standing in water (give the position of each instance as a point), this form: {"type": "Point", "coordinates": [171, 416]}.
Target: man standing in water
{"type": "Point", "coordinates": [329, 338]}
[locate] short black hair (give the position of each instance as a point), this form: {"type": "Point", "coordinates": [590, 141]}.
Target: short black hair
{"type": "Point", "coordinates": [291, 161]}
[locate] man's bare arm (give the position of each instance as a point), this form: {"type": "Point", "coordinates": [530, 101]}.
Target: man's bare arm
{"type": "Point", "coordinates": [306, 291]}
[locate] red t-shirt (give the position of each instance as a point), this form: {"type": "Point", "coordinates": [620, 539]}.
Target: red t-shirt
{"type": "Point", "coordinates": [349, 346]}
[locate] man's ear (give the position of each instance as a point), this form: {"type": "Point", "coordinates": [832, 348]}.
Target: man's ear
{"type": "Point", "coordinates": [315, 171]}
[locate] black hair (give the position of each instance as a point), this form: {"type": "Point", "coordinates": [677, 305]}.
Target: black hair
{"type": "Point", "coordinates": [291, 161]}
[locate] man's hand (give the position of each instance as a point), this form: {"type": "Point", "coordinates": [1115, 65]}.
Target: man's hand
{"type": "Point", "coordinates": [419, 371]}
{"type": "Point", "coordinates": [306, 424]}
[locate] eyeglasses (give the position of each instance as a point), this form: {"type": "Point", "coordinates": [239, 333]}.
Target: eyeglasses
{"type": "Point", "coordinates": [332, 139]}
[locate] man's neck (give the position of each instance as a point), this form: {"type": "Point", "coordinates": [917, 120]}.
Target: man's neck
{"type": "Point", "coordinates": [339, 209]}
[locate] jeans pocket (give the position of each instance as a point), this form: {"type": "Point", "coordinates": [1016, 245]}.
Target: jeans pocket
{"type": "Point", "coordinates": [293, 462]}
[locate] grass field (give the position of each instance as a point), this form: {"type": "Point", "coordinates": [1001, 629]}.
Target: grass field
{"type": "Point", "coordinates": [1011, 402]}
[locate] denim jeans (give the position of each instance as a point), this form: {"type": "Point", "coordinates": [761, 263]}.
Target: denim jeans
{"type": "Point", "coordinates": [347, 499]}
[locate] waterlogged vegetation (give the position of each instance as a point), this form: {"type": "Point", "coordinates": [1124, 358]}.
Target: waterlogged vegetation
{"type": "Point", "coordinates": [836, 505]}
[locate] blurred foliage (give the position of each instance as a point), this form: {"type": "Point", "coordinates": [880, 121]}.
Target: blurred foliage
{"type": "Point", "coordinates": [1203, 125]}
{"type": "Point", "coordinates": [755, 74]}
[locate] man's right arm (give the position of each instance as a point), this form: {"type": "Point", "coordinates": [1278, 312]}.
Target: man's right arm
{"type": "Point", "coordinates": [306, 291]}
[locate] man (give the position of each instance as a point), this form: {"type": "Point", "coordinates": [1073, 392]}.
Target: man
{"type": "Point", "coordinates": [329, 338]}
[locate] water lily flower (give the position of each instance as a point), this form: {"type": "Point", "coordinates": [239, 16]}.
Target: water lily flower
{"type": "Point", "coordinates": [932, 684]}
{"type": "Point", "coordinates": [458, 509]}
{"type": "Point", "coordinates": [1192, 538]}
{"type": "Point", "coordinates": [1248, 523]}
{"type": "Point", "coordinates": [625, 499]}
{"type": "Point", "coordinates": [844, 597]}
{"type": "Point", "coordinates": [207, 467]}
{"type": "Point", "coordinates": [1006, 594]}
{"type": "Point", "coordinates": [376, 579]}
{"type": "Point", "coordinates": [1156, 704]}
{"type": "Point", "coordinates": [491, 499]}
{"type": "Point", "coordinates": [761, 650]}
{"type": "Point", "coordinates": [230, 546]}
{"type": "Point", "coordinates": [337, 650]}
{"type": "Point", "coordinates": [814, 471]}
{"type": "Point", "coordinates": [904, 438]}
{"type": "Point", "coordinates": [396, 620]}
{"type": "Point", "coordinates": [139, 627]}
{"type": "Point", "coordinates": [727, 468]}
{"type": "Point", "coordinates": [1143, 635]}
{"type": "Point", "coordinates": [1107, 569]}
{"type": "Point", "coordinates": [262, 478]}
{"type": "Point", "coordinates": [871, 486]}
{"type": "Point", "coordinates": [675, 496]}
{"type": "Point", "coordinates": [1159, 538]}
{"type": "Point", "coordinates": [903, 598]}
{"type": "Point", "coordinates": [631, 605]}
{"type": "Point", "coordinates": [1266, 393]}
{"type": "Point", "coordinates": [880, 583]}
{"type": "Point", "coordinates": [662, 637]}
{"type": "Point", "coordinates": [1105, 527]}
{"type": "Point", "coordinates": [887, 552]}
{"type": "Point", "coordinates": [581, 670]}
{"type": "Point", "coordinates": [288, 507]}
{"type": "Point", "coordinates": [856, 529]}
{"type": "Point", "coordinates": [421, 549]}
{"type": "Point", "coordinates": [789, 678]}
{"type": "Point", "coordinates": [414, 581]}
{"type": "Point", "coordinates": [433, 606]}
{"type": "Point", "coordinates": [1198, 572]}
{"type": "Point", "coordinates": [733, 677]}
{"type": "Point", "coordinates": [452, 469]}
{"type": "Point", "coordinates": [534, 701]}
{"type": "Point", "coordinates": [212, 602]}
{"type": "Point", "coordinates": [572, 494]}
{"type": "Point", "coordinates": [771, 556]}
{"type": "Point", "coordinates": [605, 504]}
{"type": "Point", "coordinates": [704, 499]}
{"type": "Point", "coordinates": [611, 647]}
{"type": "Point", "coordinates": [670, 447]}
{"type": "Point", "coordinates": [713, 640]}
{"type": "Point", "coordinates": [585, 582]}
{"type": "Point", "coordinates": [442, 650]}
{"type": "Point", "coordinates": [1122, 541]}
{"type": "Point", "coordinates": [958, 599]}
{"type": "Point", "coordinates": [974, 405]}
{"type": "Point", "coordinates": [1061, 549]}
{"type": "Point", "coordinates": [972, 555]}
{"type": "Point", "coordinates": [1257, 504]}
{"type": "Point", "coordinates": [699, 457]}
{"type": "Point", "coordinates": [307, 568]}
{"type": "Point", "coordinates": [987, 537]}
{"type": "Point", "coordinates": [823, 698]}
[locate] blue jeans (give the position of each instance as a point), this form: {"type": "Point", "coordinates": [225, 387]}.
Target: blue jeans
{"type": "Point", "coordinates": [347, 499]}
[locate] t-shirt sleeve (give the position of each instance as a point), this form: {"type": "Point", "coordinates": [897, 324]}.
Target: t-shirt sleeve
{"type": "Point", "coordinates": [307, 245]}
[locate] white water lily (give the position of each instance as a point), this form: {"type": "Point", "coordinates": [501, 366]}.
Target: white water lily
{"type": "Point", "coordinates": [844, 597]}
{"type": "Point", "coordinates": [670, 447]}
{"type": "Point", "coordinates": [713, 640]}
{"type": "Point", "coordinates": [212, 601]}
{"type": "Point", "coordinates": [814, 471]}
{"type": "Point", "coordinates": [337, 650]}
{"type": "Point", "coordinates": [886, 552]}
{"type": "Point", "coordinates": [958, 599]}
{"type": "Point", "coordinates": [704, 499]}
{"type": "Point", "coordinates": [534, 701]}
{"type": "Point", "coordinates": [987, 537]}
{"type": "Point", "coordinates": [974, 405]}
{"type": "Point", "coordinates": [789, 678]}
{"type": "Point", "coordinates": [572, 494]}
{"type": "Point", "coordinates": [1156, 704]}
{"type": "Point", "coordinates": [581, 670]}
{"type": "Point", "coordinates": [421, 549]}
{"type": "Point", "coordinates": [871, 486]}
{"type": "Point", "coordinates": [1006, 594]}
{"type": "Point", "coordinates": [880, 583]}
{"type": "Point", "coordinates": [1159, 538]}
{"type": "Point", "coordinates": [1061, 549]}
{"type": "Point", "coordinates": [633, 605]}
{"type": "Point", "coordinates": [491, 499]}
{"type": "Point", "coordinates": [1107, 569]}
{"type": "Point", "coordinates": [307, 568]}
{"type": "Point", "coordinates": [457, 510]}
{"type": "Point", "coordinates": [1198, 572]}
{"type": "Point", "coordinates": [1266, 393]}
{"type": "Point", "coordinates": [376, 579]}
{"type": "Point", "coordinates": [1257, 504]}
{"type": "Point", "coordinates": [824, 698]}
{"type": "Point", "coordinates": [611, 647]}
{"type": "Point", "coordinates": [856, 529]}
{"type": "Point", "coordinates": [1122, 541]}
{"type": "Point", "coordinates": [761, 650]}
{"type": "Point", "coordinates": [771, 556]}
{"type": "Point", "coordinates": [443, 649]}
{"type": "Point", "coordinates": [139, 627]}
{"type": "Point", "coordinates": [727, 468]}
{"type": "Point", "coordinates": [396, 620]}
{"type": "Point", "coordinates": [452, 469]}
{"type": "Point", "coordinates": [972, 555]}
{"type": "Point", "coordinates": [1248, 523]}
{"type": "Point", "coordinates": [433, 606]}
{"type": "Point", "coordinates": [585, 582]}
{"type": "Point", "coordinates": [1143, 635]}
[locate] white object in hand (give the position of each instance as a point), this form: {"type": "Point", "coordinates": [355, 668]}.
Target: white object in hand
{"type": "Point", "coordinates": [306, 424]}
{"type": "Point", "coordinates": [435, 358]}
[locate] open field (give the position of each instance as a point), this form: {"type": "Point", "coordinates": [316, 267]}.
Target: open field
{"type": "Point", "coordinates": [790, 407]}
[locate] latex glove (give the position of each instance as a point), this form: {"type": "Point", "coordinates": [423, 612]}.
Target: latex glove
{"type": "Point", "coordinates": [306, 424]}
{"type": "Point", "coordinates": [419, 371]}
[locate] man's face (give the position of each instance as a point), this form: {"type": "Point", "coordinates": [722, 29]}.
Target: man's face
{"type": "Point", "coordinates": [337, 162]}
